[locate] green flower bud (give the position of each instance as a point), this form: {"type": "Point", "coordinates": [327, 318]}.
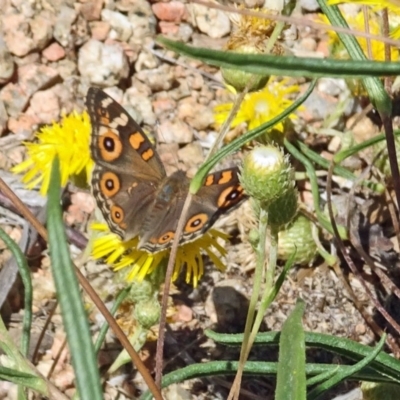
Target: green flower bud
{"type": "Point", "coordinates": [140, 291]}
{"type": "Point", "coordinates": [239, 79]}
{"type": "Point", "coordinates": [147, 313]}
{"type": "Point", "coordinates": [267, 174]}
{"type": "Point", "coordinates": [254, 238]}
{"type": "Point", "coordinates": [380, 391]}
{"type": "Point", "coordinates": [297, 237]}
{"type": "Point", "coordinates": [282, 210]}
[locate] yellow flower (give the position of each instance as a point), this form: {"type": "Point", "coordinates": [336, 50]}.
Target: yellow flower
{"type": "Point", "coordinates": [68, 139]}
{"type": "Point", "coordinates": [376, 5]}
{"type": "Point", "coordinates": [260, 107]}
{"type": "Point", "coordinates": [125, 254]}
{"type": "Point", "coordinates": [358, 23]}
{"type": "Point", "coordinates": [250, 30]}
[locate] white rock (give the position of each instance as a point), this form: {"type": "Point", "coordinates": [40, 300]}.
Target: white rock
{"type": "Point", "coordinates": [161, 78]}
{"type": "Point", "coordinates": [143, 27]}
{"type": "Point", "coordinates": [175, 132]}
{"type": "Point", "coordinates": [146, 60]}
{"type": "Point", "coordinates": [62, 29]}
{"type": "Point", "coordinates": [142, 104]}
{"type": "Point", "coordinates": [121, 28]}
{"type": "Point", "coordinates": [332, 86]}
{"type": "Point", "coordinates": [102, 64]}
{"type": "Point", "coordinates": [214, 23]}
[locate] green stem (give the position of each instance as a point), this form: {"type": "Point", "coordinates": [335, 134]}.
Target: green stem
{"type": "Point", "coordinates": [258, 278]}
{"type": "Point", "coordinates": [267, 297]}
{"type": "Point", "coordinates": [103, 331]}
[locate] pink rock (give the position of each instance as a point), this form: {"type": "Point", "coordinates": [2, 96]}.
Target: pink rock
{"type": "Point", "coordinates": [54, 52]}
{"type": "Point", "coordinates": [169, 28]}
{"type": "Point", "coordinates": [100, 30]}
{"type": "Point", "coordinates": [198, 116]}
{"type": "Point", "coordinates": [45, 106]}
{"type": "Point", "coordinates": [16, 34]}
{"type": "Point", "coordinates": [163, 105]}
{"type": "Point", "coordinates": [41, 27]}
{"type": "Point", "coordinates": [91, 10]}
{"type": "Point", "coordinates": [175, 132]}
{"type": "Point", "coordinates": [174, 11]}
{"type": "Point", "coordinates": [33, 77]}
{"type": "Point", "coordinates": [24, 123]}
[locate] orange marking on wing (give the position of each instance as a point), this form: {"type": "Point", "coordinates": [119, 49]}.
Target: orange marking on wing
{"type": "Point", "coordinates": [104, 116]}
{"type": "Point", "coordinates": [109, 184]}
{"type": "Point", "coordinates": [209, 181]}
{"type": "Point", "coordinates": [195, 223]}
{"type": "Point", "coordinates": [136, 139]}
{"type": "Point", "coordinates": [230, 196]}
{"type": "Point", "coordinates": [225, 178]}
{"type": "Point", "coordinates": [110, 146]}
{"type": "Point", "coordinates": [166, 237]}
{"type": "Point", "coordinates": [148, 154]}
{"type": "Point", "coordinates": [117, 214]}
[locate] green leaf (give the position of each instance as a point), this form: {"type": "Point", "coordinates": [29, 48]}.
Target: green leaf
{"type": "Point", "coordinates": [284, 65]}
{"type": "Point", "coordinates": [24, 379]}
{"type": "Point", "coordinates": [385, 366]}
{"type": "Point", "coordinates": [291, 377]}
{"type": "Point", "coordinates": [72, 309]}
{"type": "Point", "coordinates": [346, 372]}
{"type": "Point", "coordinates": [27, 281]}
{"type": "Point", "coordinates": [252, 368]}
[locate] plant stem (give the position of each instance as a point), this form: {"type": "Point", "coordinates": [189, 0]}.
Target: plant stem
{"type": "Point", "coordinates": [258, 279]}
{"type": "Point", "coordinates": [267, 299]}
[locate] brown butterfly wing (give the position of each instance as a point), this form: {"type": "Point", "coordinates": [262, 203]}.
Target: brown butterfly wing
{"type": "Point", "coordinates": [127, 168]}
{"type": "Point", "coordinates": [220, 194]}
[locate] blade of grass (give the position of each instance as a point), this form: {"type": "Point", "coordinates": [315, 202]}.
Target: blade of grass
{"type": "Point", "coordinates": [25, 379]}
{"type": "Point", "coordinates": [384, 364]}
{"type": "Point", "coordinates": [254, 368]}
{"type": "Point", "coordinates": [323, 220]}
{"type": "Point", "coordinates": [285, 65]}
{"type": "Point", "coordinates": [344, 373]}
{"type": "Point", "coordinates": [291, 375]}
{"type": "Point", "coordinates": [68, 293]}
{"type": "Point", "coordinates": [27, 282]}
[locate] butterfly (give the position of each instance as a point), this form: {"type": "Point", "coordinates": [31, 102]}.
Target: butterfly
{"type": "Point", "coordinates": [133, 191]}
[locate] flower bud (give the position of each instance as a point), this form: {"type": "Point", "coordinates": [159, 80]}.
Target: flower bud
{"type": "Point", "coordinates": [267, 175]}
{"type": "Point", "coordinates": [147, 313]}
{"type": "Point", "coordinates": [297, 237]}
{"type": "Point", "coordinates": [282, 210]}
{"type": "Point", "coordinates": [379, 391]}
{"type": "Point", "coordinates": [254, 238]}
{"type": "Point", "coordinates": [239, 79]}
{"type": "Point", "coordinates": [140, 291]}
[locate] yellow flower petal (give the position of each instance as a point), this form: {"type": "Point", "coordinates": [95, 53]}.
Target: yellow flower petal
{"type": "Point", "coordinates": [121, 254]}
{"type": "Point", "coordinates": [69, 140]}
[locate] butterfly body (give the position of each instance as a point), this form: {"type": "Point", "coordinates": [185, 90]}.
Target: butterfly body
{"type": "Point", "coordinates": [132, 189]}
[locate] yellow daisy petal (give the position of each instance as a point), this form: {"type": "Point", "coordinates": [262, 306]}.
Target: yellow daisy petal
{"type": "Point", "coordinates": [121, 254]}
{"type": "Point", "coordinates": [69, 140]}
